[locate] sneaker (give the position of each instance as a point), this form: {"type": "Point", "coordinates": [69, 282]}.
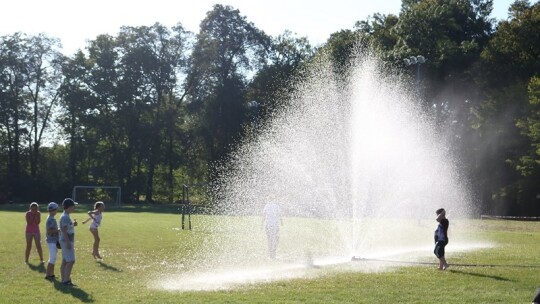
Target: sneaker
{"type": "Point", "coordinates": [50, 278]}
{"type": "Point", "coordinates": [69, 283]}
{"type": "Point", "coordinates": [446, 266]}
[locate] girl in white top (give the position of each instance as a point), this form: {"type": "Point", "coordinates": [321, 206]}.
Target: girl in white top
{"type": "Point", "coordinates": [96, 216]}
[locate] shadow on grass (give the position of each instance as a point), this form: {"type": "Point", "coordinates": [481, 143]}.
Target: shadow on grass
{"type": "Point", "coordinates": [496, 265]}
{"type": "Point", "coordinates": [498, 278]}
{"type": "Point", "coordinates": [39, 267]}
{"type": "Point", "coordinates": [108, 267]}
{"type": "Point", "coordinates": [75, 292]}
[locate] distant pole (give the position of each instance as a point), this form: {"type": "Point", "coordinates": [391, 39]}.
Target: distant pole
{"type": "Point", "coordinates": [182, 207]}
{"type": "Point", "coordinates": [417, 61]}
{"type": "Point", "coordinates": [185, 207]}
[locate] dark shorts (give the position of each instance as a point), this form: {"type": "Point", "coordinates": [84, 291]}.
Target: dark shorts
{"type": "Point", "coordinates": [439, 248]}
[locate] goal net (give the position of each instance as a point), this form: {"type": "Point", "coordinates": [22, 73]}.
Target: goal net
{"type": "Point", "coordinates": [111, 195]}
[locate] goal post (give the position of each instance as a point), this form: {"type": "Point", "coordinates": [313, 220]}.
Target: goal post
{"type": "Point", "coordinates": [91, 194]}
{"type": "Point", "coordinates": [192, 195]}
{"type": "Point", "coordinates": [185, 208]}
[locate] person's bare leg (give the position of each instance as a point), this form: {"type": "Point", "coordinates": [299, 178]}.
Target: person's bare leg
{"type": "Point", "coordinates": [63, 271]}
{"type": "Point", "coordinates": [95, 252]}
{"type": "Point", "coordinates": [38, 247]}
{"type": "Point", "coordinates": [69, 267]}
{"type": "Point", "coordinates": [50, 270]}
{"type": "Point", "coordinates": [28, 247]}
{"type": "Point", "coordinates": [444, 263]}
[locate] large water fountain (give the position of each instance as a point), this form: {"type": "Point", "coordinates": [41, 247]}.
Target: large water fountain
{"type": "Point", "coordinates": [358, 169]}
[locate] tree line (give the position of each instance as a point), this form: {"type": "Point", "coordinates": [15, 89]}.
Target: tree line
{"type": "Point", "coordinates": [152, 107]}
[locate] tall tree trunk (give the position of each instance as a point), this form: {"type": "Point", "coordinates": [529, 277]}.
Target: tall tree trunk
{"type": "Point", "coordinates": [150, 181]}
{"type": "Point", "coordinates": [73, 152]}
{"type": "Point", "coordinates": [170, 177]}
{"type": "Point", "coordinates": [15, 157]}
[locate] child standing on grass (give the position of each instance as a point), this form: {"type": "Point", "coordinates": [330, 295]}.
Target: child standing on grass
{"type": "Point", "coordinates": [67, 241]}
{"type": "Point", "coordinates": [96, 216]}
{"type": "Point", "coordinates": [33, 219]}
{"type": "Point", "coordinates": [51, 230]}
{"type": "Point", "coordinates": [441, 238]}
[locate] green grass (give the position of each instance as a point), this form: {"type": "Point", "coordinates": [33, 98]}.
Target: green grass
{"type": "Point", "coordinates": [141, 246]}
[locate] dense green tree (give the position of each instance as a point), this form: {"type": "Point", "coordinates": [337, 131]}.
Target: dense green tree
{"type": "Point", "coordinates": [152, 61]}
{"type": "Point", "coordinates": [527, 198]}
{"type": "Point", "coordinates": [509, 60]}
{"type": "Point", "coordinates": [529, 164]}
{"type": "Point", "coordinates": [379, 32]}
{"type": "Point", "coordinates": [12, 109]}
{"type": "Point", "coordinates": [228, 48]}
{"type": "Point", "coordinates": [512, 55]}
{"type": "Point", "coordinates": [274, 80]}
{"type": "Point", "coordinates": [77, 118]}
{"type": "Point", "coordinates": [147, 110]}
{"type": "Point", "coordinates": [100, 126]}
{"type": "Point", "coordinates": [44, 61]}
{"type": "Point", "coordinates": [451, 36]}
{"type": "Point", "coordinates": [29, 80]}
{"type": "Point", "coordinates": [340, 47]}
{"type": "Point", "coordinates": [115, 101]}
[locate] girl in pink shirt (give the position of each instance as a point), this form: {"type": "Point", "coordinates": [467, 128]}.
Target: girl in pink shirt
{"type": "Point", "coordinates": [33, 219]}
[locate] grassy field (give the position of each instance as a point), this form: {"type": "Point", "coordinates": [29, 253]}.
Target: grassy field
{"type": "Point", "coordinates": [143, 247]}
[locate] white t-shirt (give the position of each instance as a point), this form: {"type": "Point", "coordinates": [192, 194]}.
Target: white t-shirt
{"type": "Point", "coordinates": [272, 215]}
{"type": "Point", "coordinates": [97, 221]}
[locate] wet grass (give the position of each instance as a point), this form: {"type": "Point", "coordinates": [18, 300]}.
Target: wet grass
{"type": "Point", "coordinates": [140, 246]}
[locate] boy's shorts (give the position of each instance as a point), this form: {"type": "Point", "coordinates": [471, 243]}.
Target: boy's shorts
{"type": "Point", "coordinates": [439, 249]}
{"type": "Point", "coordinates": [68, 255]}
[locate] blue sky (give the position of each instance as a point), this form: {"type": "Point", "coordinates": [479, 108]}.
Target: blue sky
{"type": "Point", "coordinates": [75, 22]}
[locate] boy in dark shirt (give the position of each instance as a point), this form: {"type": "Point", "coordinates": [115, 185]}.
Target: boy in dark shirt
{"type": "Point", "coordinates": [441, 238]}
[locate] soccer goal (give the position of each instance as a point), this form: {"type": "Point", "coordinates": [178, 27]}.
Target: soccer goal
{"type": "Point", "coordinates": [111, 195]}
